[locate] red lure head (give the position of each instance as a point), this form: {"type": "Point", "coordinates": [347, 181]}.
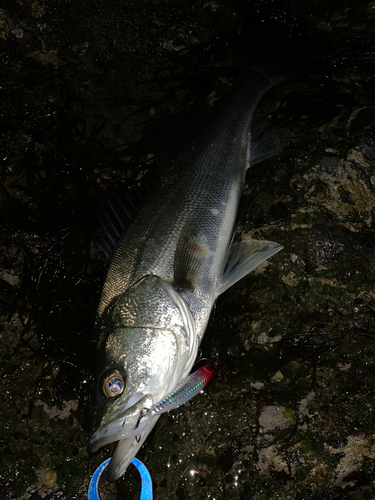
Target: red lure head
{"type": "Point", "coordinates": [210, 369]}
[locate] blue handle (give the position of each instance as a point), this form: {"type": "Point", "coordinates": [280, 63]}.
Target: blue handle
{"type": "Point", "coordinates": [146, 488]}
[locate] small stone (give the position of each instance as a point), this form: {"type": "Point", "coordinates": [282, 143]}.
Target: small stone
{"type": "Point", "coordinates": [50, 478]}
{"type": "Point", "coordinates": [278, 377]}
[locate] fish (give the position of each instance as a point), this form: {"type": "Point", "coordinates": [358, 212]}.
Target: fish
{"type": "Point", "coordinates": [177, 256]}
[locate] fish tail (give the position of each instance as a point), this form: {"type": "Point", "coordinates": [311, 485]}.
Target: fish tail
{"type": "Point", "coordinates": [270, 56]}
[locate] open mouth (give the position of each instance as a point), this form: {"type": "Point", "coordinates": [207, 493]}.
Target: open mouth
{"type": "Point", "coordinates": [129, 423]}
{"type": "Point", "coordinates": [126, 450]}
{"type": "Point", "coordinates": [130, 428]}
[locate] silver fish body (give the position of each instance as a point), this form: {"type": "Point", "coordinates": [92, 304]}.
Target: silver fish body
{"type": "Point", "coordinates": [169, 267]}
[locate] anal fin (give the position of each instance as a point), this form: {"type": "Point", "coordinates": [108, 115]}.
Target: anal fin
{"type": "Point", "coordinates": [244, 257]}
{"type": "Point", "coordinates": [268, 143]}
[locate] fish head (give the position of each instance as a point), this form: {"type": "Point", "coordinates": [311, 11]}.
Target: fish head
{"type": "Point", "coordinates": [146, 345]}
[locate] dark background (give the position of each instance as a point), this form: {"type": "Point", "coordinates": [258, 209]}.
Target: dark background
{"type": "Point", "coordinates": [290, 413]}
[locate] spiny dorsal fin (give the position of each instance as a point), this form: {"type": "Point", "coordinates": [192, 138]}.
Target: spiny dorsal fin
{"type": "Point", "coordinates": [115, 212]}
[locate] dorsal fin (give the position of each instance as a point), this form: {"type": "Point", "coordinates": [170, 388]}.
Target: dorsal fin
{"type": "Point", "coordinates": [115, 212]}
{"type": "Point", "coordinates": [166, 137]}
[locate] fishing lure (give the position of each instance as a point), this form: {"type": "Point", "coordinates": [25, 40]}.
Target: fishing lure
{"type": "Point", "coordinates": [193, 384]}
{"type": "Point", "coordinates": [180, 395]}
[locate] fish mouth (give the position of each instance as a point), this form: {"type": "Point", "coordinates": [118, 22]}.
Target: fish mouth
{"type": "Point", "coordinates": [126, 450]}
{"type": "Point", "coordinates": [130, 428]}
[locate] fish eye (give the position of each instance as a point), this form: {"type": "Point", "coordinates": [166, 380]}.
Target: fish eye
{"type": "Point", "coordinates": [113, 384]}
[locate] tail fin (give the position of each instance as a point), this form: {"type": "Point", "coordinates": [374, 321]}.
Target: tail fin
{"type": "Point", "coordinates": [262, 51]}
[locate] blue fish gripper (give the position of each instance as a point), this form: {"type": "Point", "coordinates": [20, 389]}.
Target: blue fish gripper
{"type": "Point", "coordinates": [146, 488]}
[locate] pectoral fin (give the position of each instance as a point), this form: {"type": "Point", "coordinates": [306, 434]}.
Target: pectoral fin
{"type": "Point", "coordinates": [191, 253]}
{"type": "Point", "coordinates": [242, 258]}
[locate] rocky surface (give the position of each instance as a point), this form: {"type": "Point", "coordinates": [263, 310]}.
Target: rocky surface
{"type": "Point", "coordinates": [290, 413]}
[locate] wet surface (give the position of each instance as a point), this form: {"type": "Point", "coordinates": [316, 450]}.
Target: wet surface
{"type": "Point", "coordinates": [290, 413]}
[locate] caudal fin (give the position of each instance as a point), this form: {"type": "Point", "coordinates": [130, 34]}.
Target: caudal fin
{"type": "Point", "coordinates": [263, 51]}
